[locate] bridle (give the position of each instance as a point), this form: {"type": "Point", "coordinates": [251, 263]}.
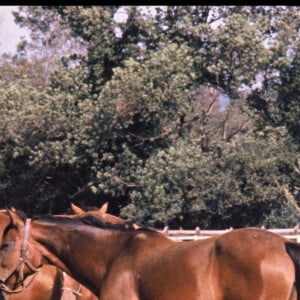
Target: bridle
{"type": "Point", "coordinates": [21, 264]}
{"type": "Point", "coordinates": [71, 290]}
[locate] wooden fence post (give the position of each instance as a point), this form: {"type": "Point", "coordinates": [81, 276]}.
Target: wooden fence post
{"type": "Point", "coordinates": [166, 230]}
{"type": "Point", "coordinates": [296, 230]}
{"type": "Point", "coordinates": [197, 231]}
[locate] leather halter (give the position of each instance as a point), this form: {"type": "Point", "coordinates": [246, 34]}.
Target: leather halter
{"type": "Point", "coordinates": [21, 264]}
{"type": "Point", "coordinates": [68, 289]}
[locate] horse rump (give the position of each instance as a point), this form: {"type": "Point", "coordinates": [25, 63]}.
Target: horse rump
{"type": "Point", "coordinates": [293, 249]}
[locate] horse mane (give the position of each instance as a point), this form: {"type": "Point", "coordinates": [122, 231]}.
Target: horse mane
{"type": "Point", "coordinates": [91, 221]}
{"type": "Point", "coordinates": [21, 214]}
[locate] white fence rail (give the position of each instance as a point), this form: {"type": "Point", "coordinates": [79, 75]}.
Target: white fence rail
{"type": "Point", "coordinates": [198, 234]}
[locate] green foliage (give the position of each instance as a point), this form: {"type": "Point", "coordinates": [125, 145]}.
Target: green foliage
{"type": "Point", "coordinates": [240, 184]}
{"type": "Point", "coordinates": [278, 102]}
{"type": "Point", "coordinates": [286, 217]}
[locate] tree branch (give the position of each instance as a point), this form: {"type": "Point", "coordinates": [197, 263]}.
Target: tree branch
{"type": "Point", "coordinates": [83, 189]}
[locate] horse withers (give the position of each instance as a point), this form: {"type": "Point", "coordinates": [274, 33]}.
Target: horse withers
{"type": "Point", "coordinates": [121, 263]}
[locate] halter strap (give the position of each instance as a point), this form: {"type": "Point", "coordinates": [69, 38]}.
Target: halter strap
{"type": "Point", "coordinates": [78, 293]}
{"type": "Point", "coordinates": [26, 236]}
{"type": "Point", "coordinates": [68, 289]}
{"type": "Point", "coordinates": [23, 258]}
{"type": "Point", "coordinates": [22, 262]}
{"type": "Point", "coordinates": [4, 288]}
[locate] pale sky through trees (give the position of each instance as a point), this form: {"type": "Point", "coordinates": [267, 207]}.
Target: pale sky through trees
{"type": "Point", "coordinates": [10, 32]}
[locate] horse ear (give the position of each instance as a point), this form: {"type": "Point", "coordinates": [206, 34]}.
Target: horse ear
{"type": "Point", "coordinates": [76, 209]}
{"type": "Point", "coordinates": [103, 208]}
{"type": "Point", "coordinates": [15, 219]}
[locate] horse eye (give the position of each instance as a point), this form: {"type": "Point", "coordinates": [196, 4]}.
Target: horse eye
{"type": "Point", "coordinates": [4, 246]}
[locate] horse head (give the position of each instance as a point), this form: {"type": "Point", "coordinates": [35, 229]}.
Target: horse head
{"type": "Point", "coordinates": [17, 256]}
{"type": "Point", "coordinates": [101, 214]}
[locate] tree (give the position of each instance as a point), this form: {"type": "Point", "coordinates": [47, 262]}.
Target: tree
{"type": "Point", "coordinates": [241, 183]}
{"type": "Point", "coordinates": [50, 38]}
{"type": "Point", "coordinates": [138, 119]}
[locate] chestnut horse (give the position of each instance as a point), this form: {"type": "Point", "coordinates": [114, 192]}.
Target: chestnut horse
{"type": "Point", "coordinates": [71, 289]}
{"type": "Point", "coordinates": [52, 284]}
{"type": "Point", "coordinates": [141, 264]}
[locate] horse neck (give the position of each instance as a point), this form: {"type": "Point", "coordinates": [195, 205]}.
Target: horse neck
{"type": "Point", "coordinates": [77, 249]}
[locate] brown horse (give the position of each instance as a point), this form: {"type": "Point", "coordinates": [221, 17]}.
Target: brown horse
{"type": "Point", "coordinates": [52, 284]}
{"type": "Point", "coordinates": [46, 285]}
{"type": "Point", "coordinates": [141, 264]}
{"type": "Point", "coordinates": [71, 289]}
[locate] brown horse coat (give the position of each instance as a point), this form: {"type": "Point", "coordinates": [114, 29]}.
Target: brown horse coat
{"type": "Point", "coordinates": [52, 284]}
{"type": "Point", "coordinates": [243, 264]}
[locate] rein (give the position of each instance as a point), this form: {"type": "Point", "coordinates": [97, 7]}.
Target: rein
{"type": "Point", "coordinates": [21, 264]}
{"type": "Point", "coordinates": [78, 293]}
{"type": "Point", "coordinates": [68, 289]}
